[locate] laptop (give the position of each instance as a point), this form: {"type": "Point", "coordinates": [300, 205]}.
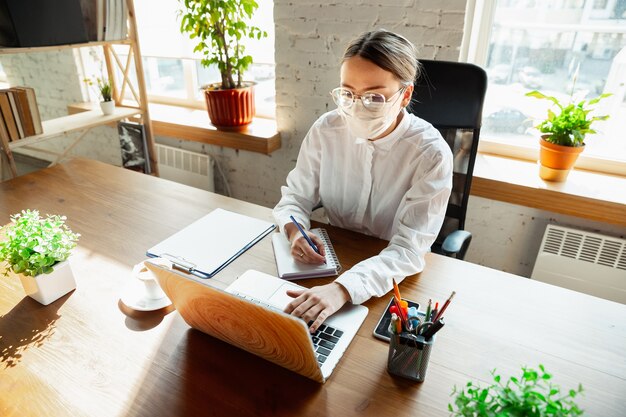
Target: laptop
{"type": "Point", "coordinates": [249, 315]}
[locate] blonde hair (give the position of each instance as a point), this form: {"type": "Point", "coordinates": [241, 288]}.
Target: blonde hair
{"type": "Point", "coordinates": [388, 50]}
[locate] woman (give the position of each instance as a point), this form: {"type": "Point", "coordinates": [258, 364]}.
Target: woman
{"type": "Point", "coordinates": [376, 169]}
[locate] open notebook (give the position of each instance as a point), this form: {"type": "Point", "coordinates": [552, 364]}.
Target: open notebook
{"type": "Point", "coordinates": [290, 269]}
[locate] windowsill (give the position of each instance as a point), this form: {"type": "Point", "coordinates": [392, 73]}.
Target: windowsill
{"type": "Point", "coordinates": [585, 194]}
{"type": "Point", "coordinates": [194, 125]}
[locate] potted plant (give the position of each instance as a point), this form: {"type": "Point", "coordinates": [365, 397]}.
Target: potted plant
{"type": "Point", "coordinates": [104, 89]}
{"type": "Point", "coordinates": [219, 26]}
{"type": "Point", "coordinates": [37, 249]}
{"type": "Point", "coordinates": [530, 395]}
{"type": "Point", "coordinates": [564, 134]}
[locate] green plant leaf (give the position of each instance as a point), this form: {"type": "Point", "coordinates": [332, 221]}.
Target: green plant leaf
{"type": "Point", "coordinates": [528, 396]}
{"type": "Point", "coordinates": [220, 25]}
{"type": "Point", "coordinates": [34, 244]}
{"type": "Point", "coordinates": [573, 122]}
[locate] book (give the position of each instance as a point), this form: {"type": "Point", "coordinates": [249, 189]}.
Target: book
{"type": "Point", "coordinates": [16, 113]}
{"type": "Point", "coordinates": [291, 269]}
{"type": "Point", "coordinates": [124, 20]}
{"type": "Point", "coordinates": [209, 244]}
{"type": "Point", "coordinates": [7, 115]}
{"type": "Point", "coordinates": [33, 108]}
{"type": "Point", "coordinates": [100, 7]}
{"type": "Point", "coordinates": [5, 138]}
{"type": "Point", "coordinates": [45, 22]}
{"type": "Point", "coordinates": [23, 108]}
{"type": "Point", "coordinates": [133, 146]}
{"type": "Point", "coordinates": [111, 10]}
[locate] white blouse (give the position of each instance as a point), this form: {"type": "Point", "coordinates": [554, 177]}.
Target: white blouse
{"type": "Point", "coordinates": [395, 188]}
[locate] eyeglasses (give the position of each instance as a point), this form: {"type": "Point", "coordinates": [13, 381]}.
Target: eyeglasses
{"type": "Point", "coordinates": [344, 98]}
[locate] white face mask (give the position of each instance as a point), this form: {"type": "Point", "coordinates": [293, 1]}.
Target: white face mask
{"type": "Point", "coordinates": [367, 124]}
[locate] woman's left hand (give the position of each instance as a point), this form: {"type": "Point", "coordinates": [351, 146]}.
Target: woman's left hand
{"type": "Point", "coordinates": [317, 304]}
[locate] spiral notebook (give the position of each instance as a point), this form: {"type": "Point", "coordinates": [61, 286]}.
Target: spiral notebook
{"type": "Point", "coordinates": [290, 269]}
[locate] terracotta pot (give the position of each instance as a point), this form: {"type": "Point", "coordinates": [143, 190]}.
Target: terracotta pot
{"type": "Point", "coordinates": [230, 109]}
{"type": "Point", "coordinates": [557, 160]}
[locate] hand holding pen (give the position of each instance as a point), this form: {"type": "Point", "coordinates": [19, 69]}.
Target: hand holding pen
{"type": "Point", "coordinates": [304, 255]}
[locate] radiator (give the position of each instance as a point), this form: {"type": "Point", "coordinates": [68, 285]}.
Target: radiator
{"type": "Point", "coordinates": [587, 262]}
{"type": "Point", "coordinates": [190, 168]}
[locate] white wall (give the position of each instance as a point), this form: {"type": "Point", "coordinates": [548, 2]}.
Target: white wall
{"type": "Point", "coordinates": [310, 39]}
{"type": "Point", "coordinates": [57, 82]}
{"type": "Point", "coordinates": [507, 236]}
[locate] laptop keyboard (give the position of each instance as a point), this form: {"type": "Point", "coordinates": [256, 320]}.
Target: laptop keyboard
{"type": "Point", "coordinates": [324, 339]}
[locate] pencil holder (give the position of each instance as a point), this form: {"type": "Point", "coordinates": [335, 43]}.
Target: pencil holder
{"type": "Point", "coordinates": [409, 355]}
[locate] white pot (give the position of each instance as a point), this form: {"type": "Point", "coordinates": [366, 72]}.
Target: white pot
{"type": "Point", "coordinates": [47, 288]}
{"type": "Point", "coordinates": [108, 107]}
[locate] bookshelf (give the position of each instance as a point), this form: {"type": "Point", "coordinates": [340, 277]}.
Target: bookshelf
{"type": "Point", "coordinates": [83, 122]}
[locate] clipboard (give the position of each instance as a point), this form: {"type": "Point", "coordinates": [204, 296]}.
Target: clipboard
{"type": "Point", "coordinates": [209, 244]}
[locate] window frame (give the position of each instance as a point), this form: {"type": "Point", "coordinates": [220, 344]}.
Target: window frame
{"type": "Point", "coordinates": [474, 48]}
{"type": "Point", "coordinates": [191, 84]}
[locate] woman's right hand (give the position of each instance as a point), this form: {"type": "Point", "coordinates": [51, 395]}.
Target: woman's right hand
{"type": "Point", "coordinates": [300, 248]}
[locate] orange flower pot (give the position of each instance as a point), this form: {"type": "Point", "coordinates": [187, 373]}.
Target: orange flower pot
{"type": "Point", "coordinates": [230, 109]}
{"type": "Point", "coordinates": [557, 160]}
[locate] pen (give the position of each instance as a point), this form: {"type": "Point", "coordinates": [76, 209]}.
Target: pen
{"type": "Point", "coordinates": [399, 310]}
{"type": "Point", "coordinates": [428, 309]}
{"type": "Point", "coordinates": [405, 308]}
{"type": "Point", "coordinates": [445, 305]}
{"type": "Point", "coordinates": [308, 239]}
{"type": "Point", "coordinates": [395, 323]}
{"type": "Point", "coordinates": [393, 309]}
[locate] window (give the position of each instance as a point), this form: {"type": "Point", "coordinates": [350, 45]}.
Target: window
{"type": "Point", "coordinates": [528, 45]}
{"type": "Point", "coordinates": [173, 71]}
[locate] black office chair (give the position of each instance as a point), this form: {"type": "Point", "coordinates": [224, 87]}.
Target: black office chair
{"type": "Point", "coordinates": [450, 95]}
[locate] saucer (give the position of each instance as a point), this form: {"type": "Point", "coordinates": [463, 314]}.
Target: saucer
{"type": "Point", "coordinates": [134, 296]}
{"type": "Point", "coordinates": [139, 291]}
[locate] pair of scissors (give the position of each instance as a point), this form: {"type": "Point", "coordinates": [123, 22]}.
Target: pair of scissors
{"type": "Point", "coordinates": [422, 327]}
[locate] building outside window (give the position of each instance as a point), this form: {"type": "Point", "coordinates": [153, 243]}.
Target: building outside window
{"type": "Point", "coordinates": [173, 71]}
{"type": "Point", "coordinates": [531, 45]}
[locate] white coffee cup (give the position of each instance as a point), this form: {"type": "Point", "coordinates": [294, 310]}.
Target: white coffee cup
{"type": "Point", "coordinates": [152, 288]}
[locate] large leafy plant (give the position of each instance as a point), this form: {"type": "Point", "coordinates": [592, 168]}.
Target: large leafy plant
{"type": "Point", "coordinates": [572, 123]}
{"type": "Point", "coordinates": [220, 26]}
{"type": "Point", "coordinates": [34, 244]}
{"type": "Point", "coordinates": [530, 395]}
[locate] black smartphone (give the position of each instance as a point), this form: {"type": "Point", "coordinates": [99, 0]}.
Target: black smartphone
{"type": "Point", "coordinates": [381, 331]}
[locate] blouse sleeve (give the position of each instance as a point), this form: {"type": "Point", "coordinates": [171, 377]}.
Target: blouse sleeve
{"type": "Point", "coordinates": [301, 194]}
{"type": "Point", "coordinates": [417, 223]}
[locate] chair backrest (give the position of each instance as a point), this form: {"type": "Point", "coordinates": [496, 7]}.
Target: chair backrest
{"type": "Point", "coordinates": [450, 95]}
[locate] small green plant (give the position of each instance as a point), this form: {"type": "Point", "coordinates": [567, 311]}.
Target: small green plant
{"type": "Point", "coordinates": [219, 26]}
{"type": "Point", "coordinates": [531, 395]}
{"type": "Point", "coordinates": [34, 244]}
{"type": "Point", "coordinates": [569, 127]}
{"type": "Point", "coordinates": [103, 87]}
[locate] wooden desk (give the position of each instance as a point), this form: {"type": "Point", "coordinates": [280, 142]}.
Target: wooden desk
{"type": "Point", "coordinates": [81, 356]}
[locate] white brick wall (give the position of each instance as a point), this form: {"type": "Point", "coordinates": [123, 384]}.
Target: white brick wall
{"type": "Point", "coordinates": [310, 40]}
{"type": "Point", "coordinates": [57, 83]}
